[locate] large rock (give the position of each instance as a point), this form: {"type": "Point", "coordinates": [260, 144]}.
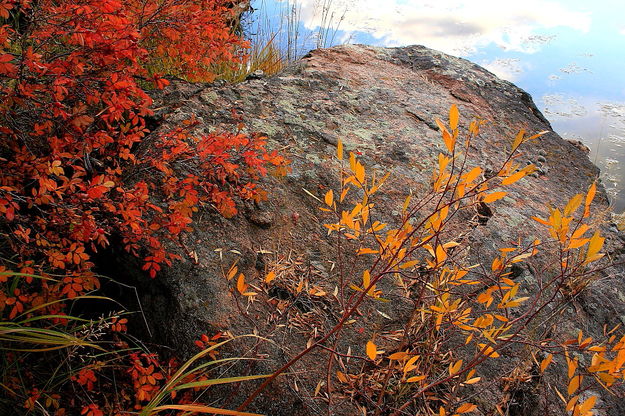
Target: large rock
{"type": "Point", "coordinates": [382, 103]}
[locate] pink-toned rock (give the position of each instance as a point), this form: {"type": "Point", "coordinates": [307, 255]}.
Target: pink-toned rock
{"type": "Point", "coordinates": [382, 103]}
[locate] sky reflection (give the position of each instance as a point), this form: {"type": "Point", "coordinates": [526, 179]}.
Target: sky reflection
{"type": "Point", "coordinates": [569, 55]}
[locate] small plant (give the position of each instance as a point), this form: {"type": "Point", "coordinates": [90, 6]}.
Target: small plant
{"type": "Point", "coordinates": [463, 316]}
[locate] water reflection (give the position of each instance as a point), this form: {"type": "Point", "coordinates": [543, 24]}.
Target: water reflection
{"type": "Point", "coordinates": [568, 54]}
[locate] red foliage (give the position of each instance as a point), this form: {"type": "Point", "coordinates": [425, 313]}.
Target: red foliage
{"type": "Point", "coordinates": [73, 113]}
{"type": "Point", "coordinates": [72, 86]}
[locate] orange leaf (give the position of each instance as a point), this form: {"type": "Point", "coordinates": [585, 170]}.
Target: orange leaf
{"type": "Point", "coordinates": [594, 246]}
{"type": "Point", "coordinates": [410, 365]}
{"type": "Point", "coordinates": [473, 380]}
{"type": "Point", "coordinates": [466, 408]}
{"type": "Point", "coordinates": [398, 355]}
{"type": "Point", "coordinates": [232, 272]}
{"type": "Point", "coordinates": [366, 279]}
{"type": "Point", "coordinates": [494, 196]}
{"type": "Point", "coordinates": [270, 276]}
{"type": "Point", "coordinates": [519, 175]}
{"type": "Point", "coordinates": [474, 173]}
{"type": "Point", "coordinates": [454, 368]}
{"type": "Point", "coordinates": [574, 384]}
{"type": "Point", "coordinates": [372, 350]}
{"type": "Point", "coordinates": [545, 363]}
{"type": "Point", "coordinates": [341, 377]}
{"type": "Point", "coordinates": [589, 197]}
{"type": "Point", "coordinates": [329, 198]}
{"type": "Point", "coordinates": [518, 140]}
{"type": "Point", "coordinates": [573, 204]}
{"type": "Point", "coordinates": [241, 285]}
{"type": "Point", "coordinates": [453, 117]}
{"type": "Point", "coordinates": [588, 404]}
{"type": "Point", "coordinates": [414, 379]}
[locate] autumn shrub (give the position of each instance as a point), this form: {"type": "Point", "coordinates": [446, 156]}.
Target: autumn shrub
{"type": "Point", "coordinates": [473, 329]}
{"type": "Point", "coordinates": [81, 167]}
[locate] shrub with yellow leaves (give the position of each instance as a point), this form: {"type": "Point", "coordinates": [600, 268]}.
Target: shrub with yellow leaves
{"type": "Point", "coordinates": [463, 316]}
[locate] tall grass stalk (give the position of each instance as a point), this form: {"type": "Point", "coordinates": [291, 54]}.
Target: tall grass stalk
{"type": "Point", "coordinates": [278, 35]}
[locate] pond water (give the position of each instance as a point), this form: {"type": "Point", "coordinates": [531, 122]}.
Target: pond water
{"type": "Point", "coordinates": [568, 54]}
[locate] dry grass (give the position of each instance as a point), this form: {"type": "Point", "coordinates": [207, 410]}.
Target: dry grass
{"type": "Point", "coordinates": [278, 36]}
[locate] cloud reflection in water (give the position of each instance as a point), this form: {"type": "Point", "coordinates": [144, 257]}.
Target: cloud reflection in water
{"type": "Point", "coordinates": [568, 54]}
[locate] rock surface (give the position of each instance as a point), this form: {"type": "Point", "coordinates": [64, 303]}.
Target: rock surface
{"type": "Point", "coordinates": [382, 103]}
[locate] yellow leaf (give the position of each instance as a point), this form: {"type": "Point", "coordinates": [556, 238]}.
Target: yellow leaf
{"type": "Point", "coordinates": [454, 368]}
{"type": "Point", "coordinates": [450, 141]}
{"type": "Point", "coordinates": [588, 404]}
{"type": "Point", "coordinates": [581, 230]}
{"type": "Point", "coordinates": [447, 137]}
{"type": "Point", "coordinates": [440, 125]}
{"type": "Point", "coordinates": [318, 388]}
{"type": "Point", "coordinates": [406, 203]}
{"type": "Point", "coordinates": [492, 197]}
{"type": "Point", "coordinates": [474, 173]}
{"type": "Point", "coordinates": [270, 276]}
{"type": "Point", "coordinates": [607, 378]}
{"type": "Point", "coordinates": [571, 367]}
{"type": "Point", "coordinates": [540, 220]}
{"type": "Point", "coordinates": [578, 242]}
{"type": "Point", "coordinates": [545, 363]}
{"type": "Point", "coordinates": [344, 193]}
{"type": "Point", "coordinates": [574, 384]}
{"type": "Point", "coordinates": [339, 150]}
{"type": "Point", "coordinates": [443, 161]}
{"type": "Point", "coordinates": [571, 404]}
{"type": "Point", "coordinates": [415, 379]}
{"type": "Point", "coordinates": [518, 140]}
{"type": "Point", "coordinates": [441, 254]}
{"type": "Point", "coordinates": [488, 351]}
{"type": "Point", "coordinates": [453, 117]}
{"type": "Point", "coordinates": [408, 264]}
{"type": "Point", "coordinates": [594, 246]}
{"type": "Point", "coordinates": [372, 350]}
{"type": "Point", "coordinates": [366, 279]}
{"type": "Point", "coordinates": [232, 272]}
{"type": "Point", "coordinates": [360, 172]}
{"type": "Point", "coordinates": [537, 135]}
{"type": "Point", "coordinates": [352, 161]}
{"type": "Point", "coordinates": [573, 204]}
{"type": "Point", "coordinates": [410, 365]}
{"type": "Point", "coordinates": [516, 302]}
{"type": "Point", "coordinates": [589, 197]}
{"type": "Point", "coordinates": [519, 175]}
{"type": "Point", "coordinates": [329, 199]}
{"type": "Point", "coordinates": [520, 257]}
{"type": "Point", "coordinates": [473, 380]}
{"type": "Point", "coordinates": [353, 286]}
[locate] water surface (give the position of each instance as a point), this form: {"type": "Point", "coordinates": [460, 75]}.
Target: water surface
{"type": "Point", "coordinates": [569, 55]}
